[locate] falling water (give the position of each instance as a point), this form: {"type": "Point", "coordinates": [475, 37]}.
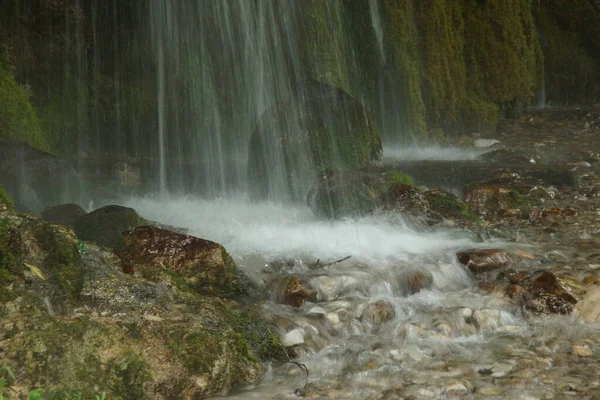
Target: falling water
{"type": "Point", "coordinates": [377, 26]}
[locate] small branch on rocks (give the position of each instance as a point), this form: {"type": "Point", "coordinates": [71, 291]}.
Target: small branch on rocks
{"type": "Point", "coordinates": [337, 261]}
{"type": "Point", "coordinates": [331, 263]}
{"type": "Point", "coordinates": [300, 365]}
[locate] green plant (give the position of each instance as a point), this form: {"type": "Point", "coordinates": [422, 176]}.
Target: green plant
{"type": "Point", "coordinates": [36, 394]}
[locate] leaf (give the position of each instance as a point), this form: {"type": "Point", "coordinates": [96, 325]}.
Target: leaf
{"type": "Point", "coordinates": [36, 271]}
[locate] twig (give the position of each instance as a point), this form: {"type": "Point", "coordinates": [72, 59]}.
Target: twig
{"type": "Point", "coordinates": [337, 261]}
{"type": "Point", "coordinates": [300, 365]}
{"type": "Point", "coordinates": [317, 263]}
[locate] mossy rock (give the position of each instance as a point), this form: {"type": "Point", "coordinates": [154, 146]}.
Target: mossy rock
{"type": "Point", "coordinates": [18, 118]}
{"type": "Point", "coordinates": [321, 128]}
{"type": "Point", "coordinates": [194, 263]}
{"type": "Point", "coordinates": [448, 205]}
{"type": "Point", "coordinates": [105, 225]}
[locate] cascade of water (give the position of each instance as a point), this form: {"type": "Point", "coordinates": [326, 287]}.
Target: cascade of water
{"type": "Point", "coordinates": [377, 26]}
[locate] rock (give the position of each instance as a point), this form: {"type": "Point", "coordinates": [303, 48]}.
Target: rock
{"type": "Point", "coordinates": [581, 351]}
{"type": "Point", "coordinates": [405, 199]}
{"type": "Point", "coordinates": [506, 156]}
{"type": "Point", "coordinates": [295, 291]}
{"type": "Point", "coordinates": [487, 320]}
{"type": "Point", "coordinates": [116, 333]}
{"type": "Point", "coordinates": [64, 214]}
{"type": "Point", "coordinates": [204, 265]}
{"type": "Point", "coordinates": [481, 143]}
{"type": "Point", "coordinates": [455, 389]}
{"type": "Point", "coordinates": [105, 225]}
{"type": "Point", "coordinates": [489, 199]}
{"type": "Point", "coordinates": [339, 194]}
{"type": "Point", "coordinates": [321, 128]}
{"type": "Point", "coordinates": [448, 205]}
{"type": "Point", "coordinates": [547, 295]}
{"type": "Point", "coordinates": [416, 281]}
{"type": "Point", "coordinates": [330, 287]}
{"type": "Point", "coordinates": [378, 312]}
{"type": "Point", "coordinates": [483, 260]}
{"type": "Point", "coordinates": [293, 337]}
{"type": "Point", "coordinates": [589, 306]}
{"type": "Point", "coordinates": [36, 179]}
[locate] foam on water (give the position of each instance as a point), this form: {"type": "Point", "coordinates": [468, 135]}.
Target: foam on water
{"type": "Point", "coordinates": [277, 231]}
{"type": "Point", "coordinates": [436, 153]}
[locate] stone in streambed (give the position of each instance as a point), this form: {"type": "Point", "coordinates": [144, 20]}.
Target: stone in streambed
{"type": "Point", "coordinates": [204, 265]}
{"type": "Point", "coordinates": [483, 260]}
{"type": "Point", "coordinates": [589, 306]}
{"type": "Point", "coordinates": [295, 291]}
{"type": "Point", "coordinates": [105, 225]}
{"type": "Point", "coordinates": [547, 295]}
{"type": "Point", "coordinates": [378, 312]}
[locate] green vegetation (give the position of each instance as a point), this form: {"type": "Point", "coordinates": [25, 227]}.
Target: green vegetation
{"type": "Point", "coordinates": [400, 178]}
{"type": "Point", "coordinates": [18, 118]}
{"type": "Point", "coordinates": [6, 201]}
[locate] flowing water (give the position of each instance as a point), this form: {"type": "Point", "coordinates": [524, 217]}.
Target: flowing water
{"type": "Point", "coordinates": [445, 340]}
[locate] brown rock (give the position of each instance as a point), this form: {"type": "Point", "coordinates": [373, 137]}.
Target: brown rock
{"type": "Point", "coordinates": [206, 266]}
{"type": "Point", "coordinates": [405, 198]}
{"type": "Point", "coordinates": [546, 294]}
{"type": "Point", "coordinates": [295, 291]}
{"type": "Point", "coordinates": [515, 292]}
{"type": "Point", "coordinates": [483, 260]}
{"type": "Point", "coordinates": [378, 312]}
{"type": "Point", "coordinates": [417, 281]}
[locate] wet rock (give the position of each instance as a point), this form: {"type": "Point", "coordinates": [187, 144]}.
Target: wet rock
{"type": "Point", "coordinates": [506, 156]}
{"type": "Point", "coordinates": [482, 143]}
{"type": "Point", "coordinates": [489, 199]}
{"type": "Point", "coordinates": [589, 306]}
{"type": "Point", "coordinates": [416, 281]}
{"type": "Point", "coordinates": [487, 320]}
{"type": "Point", "coordinates": [321, 128]}
{"type": "Point", "coordinates": [378, 312]}
{"type": "Point", "coordinates": [204, 265]}
{"type": "Point", "coordinates": [581, 351]}
{"type": "Point", "coordinates": [330, 287]}
{"type": "Point", "coordinates": [547, 294]}
{"type": "Point", "coordinates": [338, 194]}
{"type": "Point", "coordinates": [405, 199]}
{"type": "Point", "coordinates": [105, 225]}
{"type": "Point", "coordinates": [484, 260]}
{"type": "Point", "coordinates": [448, 205]}
{"type": "Point", "coordinates": [64, 214]}
{"type": "Point", "coordinates": [295, 291]}
{"type": "Point", "coordinates": [293, 337]}
{"type": "Point", "coordinates": [455, 389]}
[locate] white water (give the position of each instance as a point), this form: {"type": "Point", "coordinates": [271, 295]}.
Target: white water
{"type": "Point", "coordinates": [277, 231]}
{"type": "Point", "coordinates": [435, 153]}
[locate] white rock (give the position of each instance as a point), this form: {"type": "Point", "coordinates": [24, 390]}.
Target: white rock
{"type": "Point", "coordinates": [329, 288]}
{"type": "Point", "coordinates": [316, 310]}
{"type": "Point", "coordinates": [589, 306]}
{"type": "Point", "coordinates": [465, 312]}
{"type": "Point", "coordinates": [455, 389]}
{"type": "Point", "coordinates": [333, 318]}
{"type": "Point", "coordinates": [293, 337]}
{"type": "Point", "coordinates": [487, 320]}
{"type": "Point", "coordinates": [480, 143]}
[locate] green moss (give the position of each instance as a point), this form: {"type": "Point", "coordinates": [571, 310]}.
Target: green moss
{"type": "Point", "coordinates": [257, 334]}
{"type": "Point", "coordinates": [18, 118]}
{"type": "Point", "coordinates": [403, 46]}
{"type": "Point", "coordinates": [6, 201]}
{"type": "Point", "coordinates": [570, 32]}
{"type": "Point", "coordinates": [449, 205]}
{"type": "Point", "coordinates": [323, 47]}
{"type": "Point", "coordinates": [131, 377]}
{"type": "Point", "coordinates": [401, 178]}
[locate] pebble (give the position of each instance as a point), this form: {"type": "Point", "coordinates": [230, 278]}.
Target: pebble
{"type": "Point", "coordinates": [489, 391]}
{"type": "Point", "coordinates": [581, 351]}
{"type": "Point", "coordinates": [455, 389]}
{"type": "Point", "coordinates": [293, 337]}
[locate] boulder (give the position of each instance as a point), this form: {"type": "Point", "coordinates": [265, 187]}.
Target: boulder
{"type": "Point", "coordinates": [448, 205]}
{"type": "Point", "coordinates": [105, 225]}
{"type": "Point", "coordinates": [483, 260]}
{"type": "Point", "coordinates": [64, 214]}
{"type": "Point", "coordinates": [204, 265]}
{"type": "Point", "coordinates": [589, 306]}
{"type": "Point", "coordinates": [320, 128]}
{"type": "Point", "coordinates": [63, 302]}
{"type": "Point", "coordinates": [405, 199]}
{"type": "Point", "coordinates": [295, 291]}
{"type": "Point", "coordinates": [547, 295]}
